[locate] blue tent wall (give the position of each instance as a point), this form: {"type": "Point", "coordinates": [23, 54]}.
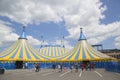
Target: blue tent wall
{"type": "Point", "coordinates": [11, 65]}
{"type": "Point", "coordinates": [7, 65]}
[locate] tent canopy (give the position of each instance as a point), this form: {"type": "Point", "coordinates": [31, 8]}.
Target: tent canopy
{"type": "Point", "coordinates": [22, 51]}
{"type": "Point", "coordinates": [52, 51]}
{"type": "Point", "coordinates": [83, 51]}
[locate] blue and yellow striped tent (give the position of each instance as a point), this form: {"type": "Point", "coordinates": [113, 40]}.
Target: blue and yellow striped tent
{"type": "Point", "coordinates": [83, 51]}
{"type": "Point", "coordinates": [53, 51]}
{"type": "Point", "coordinates": [22, 51]}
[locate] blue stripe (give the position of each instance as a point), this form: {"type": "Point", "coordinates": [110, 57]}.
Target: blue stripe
{"type": "Point", "coordinates": [77, 55]}
{"type": "Point", "coordinates": [70, 57]}
{"type": "Point", "coordinates": [90, 55]}
{"type": "Point", "coordinates": [38, 54]}
{"type": "Point", "coordinates": [21, 54]}
{"type": "Point", "coordinates": [35, 56]}
{"type": "Point", "coordinates": [14, 54]}
{"type": "Point", "coordinates": [95, 53]}
{"type": "Point", "coordinates": [83, 54]}
{"type": "Point", "coordinates": [9, 52]}
{"type": "Point", "coordinates": [27, 54]}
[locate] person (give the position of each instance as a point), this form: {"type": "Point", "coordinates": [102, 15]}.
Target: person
{"type": "Point", "coordinates": [71, 67]}
{"type": "Point", "coordinates": [54, 67]}
{"type": "Point", "coordinates": [89, 66]}
{"type": "Point", "coordinates": [26, 65]}
{"type": "Point", "coordinates": [93, 66]}
{"type": "Point", "coordinates": [82, 66]}
{"type": "Point", "coordinates": [76, 67]}
{"type": "Point", "coordinates": [58, 67]}
{"type": "Point", "coordinates": [86, 66]}
{"type": "Point", "coordinates": [37, 67]}
{"type": "Point", "coordinates": [61, 67]}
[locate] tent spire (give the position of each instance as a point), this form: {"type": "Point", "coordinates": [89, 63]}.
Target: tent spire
{"type": "Point", "coordinates": [23, 35]}
{"type": "Point", "coordinates": [42, 41]}
{"type": "Point", "coordinates": [62, 42]}
{"type": "Point", "coordinates": [82, 37]}
{"type": "Point", "coordinates": [81, 30]}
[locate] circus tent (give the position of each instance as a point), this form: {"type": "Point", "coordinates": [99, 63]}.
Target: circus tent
{"type": "Point", "coordinates": [83, 51]}
{"type": "Point", "coordinates": [22, 51]}
{"type": "Point", "coordinates": [52, 51]}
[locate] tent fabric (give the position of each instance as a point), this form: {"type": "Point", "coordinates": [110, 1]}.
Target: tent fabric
{"type": "Point", "coordinates": [83, 51]}
{"type": "Point", "coordinates": [52, 51]}
{"type": "Point", "coordinates": [22, 51]}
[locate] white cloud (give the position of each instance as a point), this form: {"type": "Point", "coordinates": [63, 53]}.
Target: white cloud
{"type": "Point", "coordinates": [117, 42]}
{"type": "Point", "coordinates": [75, 13]}
{"type": "Point", "coordinates": [33, 41]}
{"type": "Point", "coordinates": [6, 34]}
{"type": "Point", "coordinates": [65, 43]}
{"type": "Point", "coordinates": [8, 37]}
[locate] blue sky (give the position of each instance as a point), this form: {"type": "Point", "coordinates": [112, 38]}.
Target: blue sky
{"type": "Point", "coordinates": [100, 20]}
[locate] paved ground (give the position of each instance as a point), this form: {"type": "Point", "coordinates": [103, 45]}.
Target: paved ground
{"type": "Point", "coordinates": [48, 74]}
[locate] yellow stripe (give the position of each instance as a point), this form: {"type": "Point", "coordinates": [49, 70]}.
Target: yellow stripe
{"type": "Point", "coordinates": [46, 51]}
{"type": "Point", "coordinates": [63, 50]}
{"type": "Point", "coordinates": [94, 56]}
{"type": "Point", "coordinates": [75, 54]}
{"type": "Point", "coordinates": [18, 52]}
{"type": "Point", "coordinates": [70, 53]}
{"type": "Point", "coordinates": [9, 49]}
{"type": "Point", "coordinates": [56, 51]}
{"type": "Point", "coordinates": [8, 56]}
{"type": "Point", "coordinates": [92, 51]}
{"type": "Point", "coordinates": [35, 52]}
{"type": "Point", "coordinates": [24, 52]}
{"type": "Point", "coordinates": [52, 51]}
{"type": "Point", "coordinates": [80, 57]}
{"type": "Point", "coordinates": [29, 52]}
{"type": "Point", "coordinates": [86, 54]}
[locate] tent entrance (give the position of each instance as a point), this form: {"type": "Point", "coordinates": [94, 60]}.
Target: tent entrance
{"type": "Point", "coordinates": [85, 62]}
{"type": "Point", "coordinates": [19, 64]}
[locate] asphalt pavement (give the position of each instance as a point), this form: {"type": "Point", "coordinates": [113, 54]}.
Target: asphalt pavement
{"type": "Point", "coordinates": [49, 74]}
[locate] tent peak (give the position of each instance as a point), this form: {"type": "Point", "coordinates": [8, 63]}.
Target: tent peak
{"type": "Point", "coordinates": [82, 37]}
{"type": "Point", "coordinates": [23, 35]}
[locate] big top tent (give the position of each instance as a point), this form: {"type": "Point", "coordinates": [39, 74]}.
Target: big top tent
{"type": "Point", "coordinates": [52, 51]}
{"type": "Point", "coordinates": [83, 51]}
{"type": "Point", "coordinates": [22, 51]}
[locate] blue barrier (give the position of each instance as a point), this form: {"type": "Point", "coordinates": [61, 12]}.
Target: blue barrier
{"type": "Point", "coordinates": [113, 67]}
{"type": "Point", "coordinates": [110, 66]}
